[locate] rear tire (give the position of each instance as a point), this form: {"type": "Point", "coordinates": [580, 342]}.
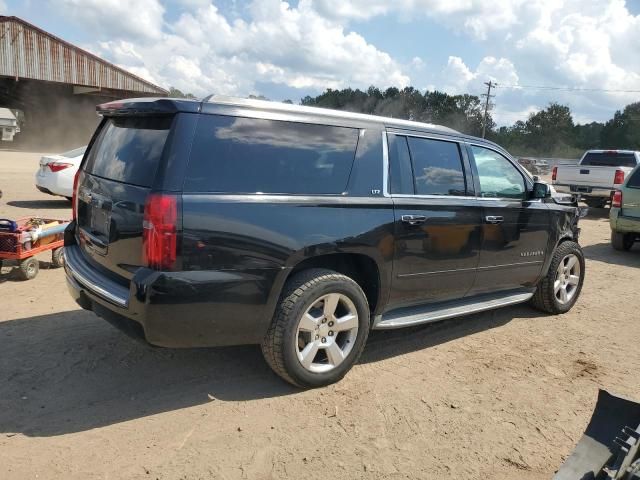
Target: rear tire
{"type": "Point", "coordinates": [29, 268]}
{"type": "Point", "coordinates": [57, 257]}
{"type": "Point", "coordinates": [595, 202]}
{"type": "Point", "coordinates": [560, 288]}
{"type": "Point", "coordinates": [319, 328]}
{"type": "Point", "coordinates": [622, 241]}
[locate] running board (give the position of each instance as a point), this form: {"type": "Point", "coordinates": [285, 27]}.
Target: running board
{"type": "Point", "coordinates": [405, 317]}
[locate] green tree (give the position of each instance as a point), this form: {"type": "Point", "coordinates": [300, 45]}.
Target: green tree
{"type": "Point", "coordinates": [550, 130]}
{"type": "Point", "coordinates": [175, 93]}
{"type": "Point", "coordinates": [623, 130]}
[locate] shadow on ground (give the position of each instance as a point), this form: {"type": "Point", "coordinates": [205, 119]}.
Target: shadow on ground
{"type": "Point", "coordinates": [70, 372]}
{"type": "Point", "coordinates": [62, 204]}
{"type": "Point", "coordinates": [604, 252]}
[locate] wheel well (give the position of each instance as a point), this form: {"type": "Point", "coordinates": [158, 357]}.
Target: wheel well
{"type": "Point", "coordinates": [361, 268]}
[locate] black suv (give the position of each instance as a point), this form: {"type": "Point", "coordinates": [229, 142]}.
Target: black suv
{"type": "Point", "coordinates": [233, 221]}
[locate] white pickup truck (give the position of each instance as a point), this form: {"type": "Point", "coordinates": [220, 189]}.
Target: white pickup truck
{"type": "Point", "coordinates": [597, 175]}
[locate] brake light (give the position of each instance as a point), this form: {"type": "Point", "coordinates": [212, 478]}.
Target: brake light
{"type": "Point", "coordinates": [159, 234]}
{"type": "Point", "coordinates": [618, 178]}
{"type": "Point", "coordinates": [74, 198]}
{"type": "Point", "coordinates": [57, 166]}
{"type": "Point", "coordinates": [554, 173]}
{"type": "Point", "coordinates": [616, 201]}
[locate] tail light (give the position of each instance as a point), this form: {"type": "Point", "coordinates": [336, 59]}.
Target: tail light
{"type": "Point", "coordinates": [58, 166]}
{"type": "Point", "coordinates": [74, 198]}
{"type": "Point", "coordinates": [554, 174]}
{"type": "Point", "coordinates": [618, 178]}
{"type": "Point", "coordinates": [160, 232]}
{"type": "Point", "coordinates": [616, 201]}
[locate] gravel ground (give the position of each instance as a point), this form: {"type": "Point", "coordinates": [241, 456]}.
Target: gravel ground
{"type": "Point", "coordinates": [502, 394]}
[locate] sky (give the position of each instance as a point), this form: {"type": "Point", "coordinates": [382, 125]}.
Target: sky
{"type": "Point", "coordinates": [586, 52]}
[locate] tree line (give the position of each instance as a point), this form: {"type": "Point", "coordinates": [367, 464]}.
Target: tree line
{"type": "Point", "coordinates": [550, 132]}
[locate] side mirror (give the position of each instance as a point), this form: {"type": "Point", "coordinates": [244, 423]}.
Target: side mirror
{"type": "Point", "coordinates": [540, 190]}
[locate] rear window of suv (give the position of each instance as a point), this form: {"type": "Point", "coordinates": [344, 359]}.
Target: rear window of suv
{"type": "Point", "coordinates": [128, 150]}
{"type": "Point", "coordinates": [609, 159]}
{"type": "Point", "coordinates": [248, 155]}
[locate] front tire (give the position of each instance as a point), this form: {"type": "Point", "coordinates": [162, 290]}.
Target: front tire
{"type": "Point", "coordinates": [319, 329]}
{"type": "Point", "coordinates": [622, 241]}
{"type": "Point", "coordinates": [560, 288]}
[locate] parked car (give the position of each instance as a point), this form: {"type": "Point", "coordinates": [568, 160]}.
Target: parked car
{"type": "Point", "coordinates": [624, 216]}
{"type": "Point", "coordinates": [597, 175]}
{"type": "Point", "coordinates": [301, 229]}
{"type": "Point", "coordinates": [56, 172]}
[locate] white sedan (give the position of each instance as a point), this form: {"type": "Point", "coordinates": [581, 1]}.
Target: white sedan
{"type": "Point", "coordinates": [56, 172]}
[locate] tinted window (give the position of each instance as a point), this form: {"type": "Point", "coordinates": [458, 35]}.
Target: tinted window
{"type": "Point", "coordinates": [246, 155]}
{"type": "Point", "coordinates": [634, 180]}
{"type": "Point", "coordinates": [400, 165]}
{"type": "Point", "coordinates": [437, 167]}
{"type": "Point", "coordinates": [498, 177]}
{"type": "Point", "coordinates": [128, 150]}
{"type": "Point", "coordinates": [609, 159]}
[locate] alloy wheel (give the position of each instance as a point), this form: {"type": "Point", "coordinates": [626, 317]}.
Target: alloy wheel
{"type": "Point", "coordinates": [567, 279]}
{"type": "Point", "coordinates": [326, 332]}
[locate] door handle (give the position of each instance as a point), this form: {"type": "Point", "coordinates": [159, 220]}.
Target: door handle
{"type": "Point", "coordinates": [414, 219]}
{"type": "Point", "coordinates": [494, 219]}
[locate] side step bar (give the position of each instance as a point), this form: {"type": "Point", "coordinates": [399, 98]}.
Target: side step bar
{"type": "Point", "coordinates": [405, 317]}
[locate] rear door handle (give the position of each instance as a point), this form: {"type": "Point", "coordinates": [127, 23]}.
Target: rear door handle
{"type": "Point", "coordinates": [414, 219]}
{"type": "Point", "coordinates": [494, 219]}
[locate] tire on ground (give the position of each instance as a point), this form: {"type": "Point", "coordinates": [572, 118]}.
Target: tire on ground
{"type": "Point", "coordinates": [57, 257]}
{"type": "Point", "coordinates": [545, 298]}
{"type": "Point", "coordinates": [621, 241]}
{"type": "Point", "coordinates": [29, 268]}
{"type": "Point", "coordinates": [300, 292]}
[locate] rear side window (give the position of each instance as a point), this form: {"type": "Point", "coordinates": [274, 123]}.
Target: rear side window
{"type": "Point", "coordinates": [128, 150]}
{"type": "Point", "coordinates": [248, 155]}
{"type": "Point", "coordinates": [634, 180]}
{"type": "Point", "coordinates": [609, 159]}
{"type": "Point", "coordinates": [437, 167]}
{"type": "Point", "coordinates": [401, 172]}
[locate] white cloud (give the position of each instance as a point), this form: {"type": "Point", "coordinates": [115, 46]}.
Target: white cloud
{"type": "Point", "coordinates": [140, 19]}
{"type": "Point", "coordinates": [472, 16]}
{"type": "Point", "coordinates": [204, 52]}
{"type": "Point", "coordinates": [315, 45]}
{"type": "Point", "coordinates": [458, 78]}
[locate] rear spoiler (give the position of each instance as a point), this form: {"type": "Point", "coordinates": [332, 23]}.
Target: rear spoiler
{"type": "Point", "coordinates": [147, 106]}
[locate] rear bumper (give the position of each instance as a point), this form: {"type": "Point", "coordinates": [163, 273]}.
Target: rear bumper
{"type": "Point", "coordinates": [179, 309]}
{"type": "Point", "coordinates": [583, 190]}
{"type": "Point", "coordinates": [54, 184]}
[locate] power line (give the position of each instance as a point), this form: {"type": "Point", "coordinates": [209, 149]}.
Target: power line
{"type": "Point", "coordinates": [488, 96]}
{"type": "Point", "coordinates": [567, 89]}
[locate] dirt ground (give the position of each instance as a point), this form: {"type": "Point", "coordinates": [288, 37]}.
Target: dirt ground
{"type": "Point", "coordinates": [502, 395]}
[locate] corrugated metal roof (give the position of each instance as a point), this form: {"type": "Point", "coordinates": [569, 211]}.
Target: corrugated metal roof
{"type": "Point", "coordinates": [27, 51]}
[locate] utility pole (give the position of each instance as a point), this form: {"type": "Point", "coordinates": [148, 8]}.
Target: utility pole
{"type": "Point", "coordinates": [488, 97]}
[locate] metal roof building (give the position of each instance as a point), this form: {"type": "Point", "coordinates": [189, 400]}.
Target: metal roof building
{"type": "Point", "coordinates": [51, 81]}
